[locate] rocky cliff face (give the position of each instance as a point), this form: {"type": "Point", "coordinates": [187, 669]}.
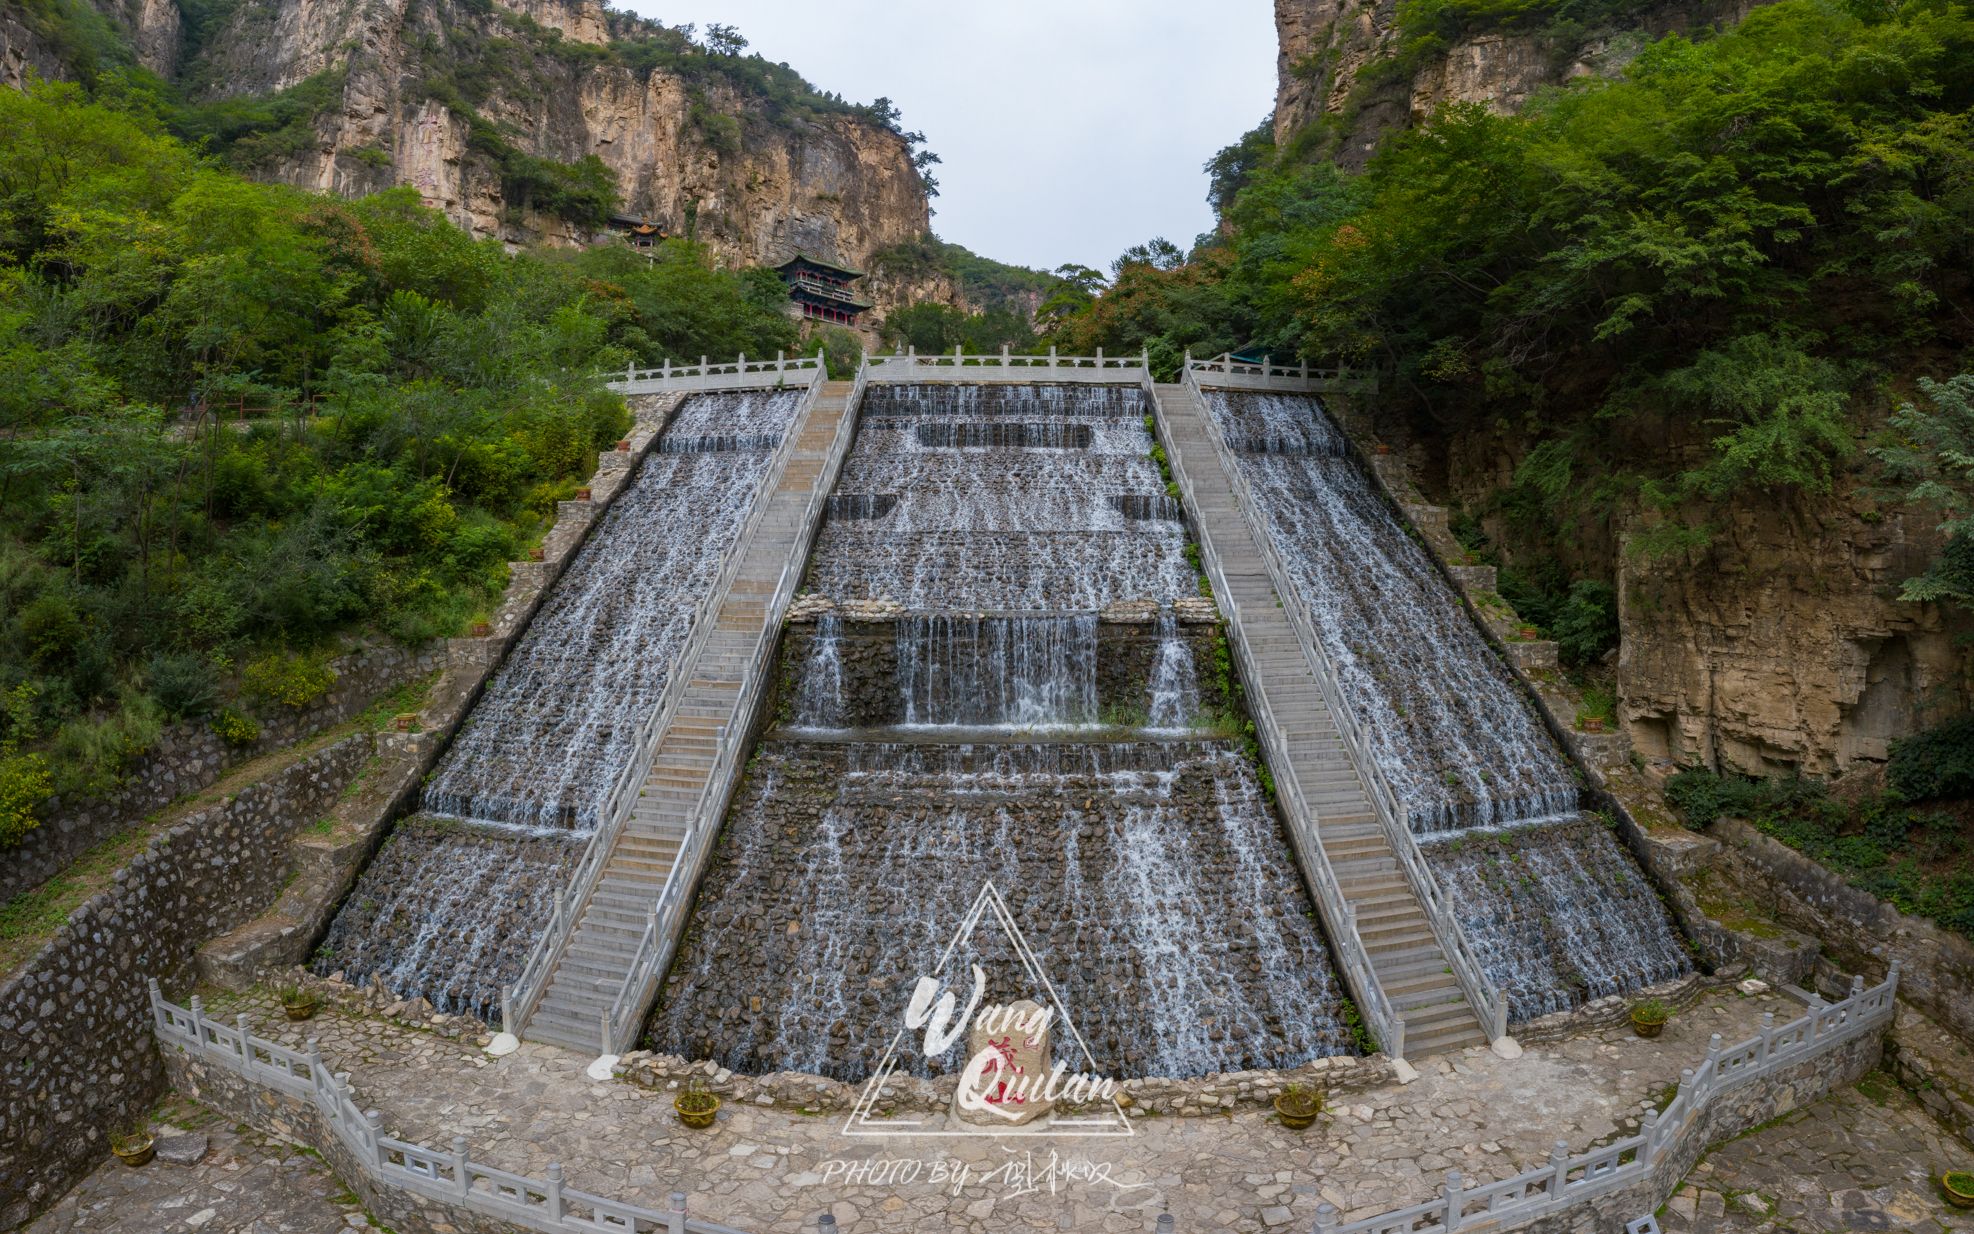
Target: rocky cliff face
{"type": "Point", "coordinates": [1327, 46]}
{"type": "Point", "coordinates": [755, 177]}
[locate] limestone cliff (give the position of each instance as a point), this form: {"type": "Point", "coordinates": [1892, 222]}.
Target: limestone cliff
{"type": "Point", "coordinates": [1338, 60]}
{"type": "Point", "coordinates": [439, 94]}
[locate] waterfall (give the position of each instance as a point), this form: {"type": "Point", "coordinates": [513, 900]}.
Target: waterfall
{"type": "Point", "coordinates": [967, 740]}
{"type": "Point", "coordinates": [1446, 722]}
{"type": "Point", "coordinates": [453, 902]}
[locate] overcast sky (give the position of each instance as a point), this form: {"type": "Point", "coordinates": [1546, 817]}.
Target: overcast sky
{"type": "Point", "coordinates": [1070, 129]}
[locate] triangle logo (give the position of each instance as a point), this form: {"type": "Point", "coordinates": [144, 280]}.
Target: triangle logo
{"type": "Point", "coordinates": [1105, 1119]}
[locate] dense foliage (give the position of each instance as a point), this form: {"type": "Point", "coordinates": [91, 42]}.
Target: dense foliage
{"type": "Point", "coordinates": [1919, 858]}
{"type": "Point", "coordinates": [1672, 291]}
{"type": "Point", "coordinates": [237, 420]}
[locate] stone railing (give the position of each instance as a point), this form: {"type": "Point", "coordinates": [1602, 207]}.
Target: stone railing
{"type": "Point", "coordinates": [666, 920]}
{"type": "Point", "coordinates": [970, 367]}
{"type": "Point", "coordinates": [741, 374]}
{"type": "Point", "coordinates": [1673, 1137]}
{"type": "Point", "coordinates": [1490, 1004]}
{"type": "Point", "coordinates": [1339, 915]}
{"type": "Point", "coordinates": [449, 1178]}
{"type": "Point", "coordinates": [1225, 370]}
{"type": "Point", "coordinates": [518, 1001]}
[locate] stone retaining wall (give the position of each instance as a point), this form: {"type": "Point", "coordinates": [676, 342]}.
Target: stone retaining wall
{"type": "Point", "coordinates": [1864, 934]}
{"type": "Point", "coordinates": [76, 1052]}
{"type": "Point", "coordinates": [189, 757]}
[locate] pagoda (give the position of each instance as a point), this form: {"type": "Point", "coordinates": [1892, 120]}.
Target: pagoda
{"type": "Point", "coordinates": [821, 291]}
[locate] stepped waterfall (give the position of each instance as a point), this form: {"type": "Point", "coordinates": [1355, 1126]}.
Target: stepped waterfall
{"type": "Point", "coordinates": [1556, 907]}
{"type": "Point", "coordinates": [1003, 687]}
{"type": "Point", "coordinates": [455, 899]}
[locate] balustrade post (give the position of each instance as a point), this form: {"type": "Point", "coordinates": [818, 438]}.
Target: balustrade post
{"type": "Point", "coordinates": [1768, 1038]}
{"type": "Point", "coordinates": [1857, 984]}
{"type": "Point", "coordinates": [1004, 355]}
{"type": "Point", "coordinates": [554, 1190]}
{"type": "Point", "coordinates": [704, 364]}
{"type": "Point", "coordinates": [246, 1035]}
{"type": "Point", "coordinates": [740, 366]}
{"type": "Point", "coordinates": [1559, 1166]}
{"type": "Point", "coordinates": [1100, 357]}
{"type": "Point", "coordinates": [675, 1215]}
{"type": "Point", "coordinates": [630, 371]}
{"type": "Point", "coordinates": [157, 997]}
{"type": "Point", "coordinates": [1453, 1199]}
{"type": "Point", "coordinates": [197, 1006]}
{"type": "Point", "coordinates": [460, 1182]}
{"type": "Point", "coordinates": [1815, 1007]}
{"type": "Point", "coordinates": [1052, 355]}
{"type": "Point", "coordinates": [373, 1128]}
{"type": "Point", "coordinates": [1326, 1218]}
{"type": "Point", "coordinates": [668, 368]}
{"type": "Point", "coordinates": [1893, 977]}
{"type": "Point", "coordinates": [507, 1003]}
{"type": "Point", "coordinates": [603, 1031]}
{"type": "Point", "coordinates": [1713, 1062]}
{"type": "Point", "coordinates": [781, 362]}
{"type": "Point", "coordinates": [1648, 1130]}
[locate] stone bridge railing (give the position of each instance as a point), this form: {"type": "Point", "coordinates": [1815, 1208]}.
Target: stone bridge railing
{"type": "Point", "coordinates": [1225, 370]}
{"type": "Point", "coordinates": [973, 367]}
{"type": "Point", "coordinates": [1667, 1145]}
{"type": "Point", "coordinates": [518, 1001]}
{"type": "Point", "coordinates": [741, 374]}
{"type": "Point", "coordinates": [1489, 1002]}
{"type": "Point", "coordinates": [363, 1154]}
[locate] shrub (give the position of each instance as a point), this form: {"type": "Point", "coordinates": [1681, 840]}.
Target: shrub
{"type": "Point", "coordinates": [88, 756]}
{"type": "Point", "coordinates": [1586, 623]}
{"type": "Point", "coordinates": [1936, 763]}
{"type": "Point", "coordinates": [288, 678]}
{"type": "Point", "coordinates": [24, 785]}
{"type": "Point", "coordinates": [183, 684]}
{"type": "Point", "coordinates": [234, 728]}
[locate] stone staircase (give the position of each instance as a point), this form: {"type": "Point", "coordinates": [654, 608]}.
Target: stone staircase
{"type": "Point", "coordinates": [687, 788]}
{"type": "Point", "coordinates": [1397, 935]}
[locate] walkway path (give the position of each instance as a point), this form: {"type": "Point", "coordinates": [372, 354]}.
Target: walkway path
{"type": "Point", "coordinates": [772, 1169]}
{"type": "Point", "coordinates": [1864, 1158]}
{"type": "Point", "coordinates": [689, 778]}
{"type": "Point", "coordinates": [1397, 934]}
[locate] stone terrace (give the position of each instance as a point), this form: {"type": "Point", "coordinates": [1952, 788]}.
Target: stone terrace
{"type": "Point", "coordinates": [775, 1169]}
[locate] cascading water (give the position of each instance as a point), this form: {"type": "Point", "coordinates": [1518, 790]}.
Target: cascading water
{"type": "Point", "coordinates": [1460, 744]}
{"type": "Point", "coordinates": [450, 906]}
{"type": "Point", "coordinates": [1150, 875]}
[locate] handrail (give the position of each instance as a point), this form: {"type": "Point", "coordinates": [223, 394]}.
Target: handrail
{"type": "Point", "coordinates": [781, 366]}
{"type": "Point", "coordinates": [903, 365]}
{"type": "Point", "coordinates": [449, 1178]}
{"type": "Point", "coordinates": [1266, 370]}
{"type": "Point", "coordinates": [1565, 1180]}
{"type": "Point", "coordinates": [1490, 1004]}
{"type": "Point", "coordinates": [661, 929]}
{"type": "Point", "coordinates": [519, 1000]}
{"type": "Point", "coordinates": [1339, 913]}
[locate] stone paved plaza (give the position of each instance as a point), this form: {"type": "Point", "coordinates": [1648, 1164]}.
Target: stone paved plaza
{"type": "Point", "coordinates": [243, 1184]}
{"type": "Point", "coordinates": [775, 1169]}
{"type": "Point", "coordinates": [1864, 1158]}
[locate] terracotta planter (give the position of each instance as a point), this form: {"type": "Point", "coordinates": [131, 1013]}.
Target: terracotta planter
{"type": "Point", "coordinates": [1647, 1029]}
{"type": "Point", "coordinates": [1958, 1187]}
{"type": "Point", "coordinates": [582, 494]}
{"type": "Point", "coordinates": [536, 554]}
{"type": "Point", "coordinates": [403, 721]}
{"type": "Point", "coordinates": [1296, 1120]}
{"type": "Point", "coordinates": [1592, 724]}
{"type": "Point", "coordinates": [624, 446]}
{"type": "Point", "coordinates": [699, 1119]}
{"type": "Point", "coordinates": [134, 1153]}
{"type": "Point", "coordinates": [1382, 448]}
{"type": "Point", "coordinates": [481, 629]}
{"type": "Point", "coordinates": [1528, 634]}
{"type": "Point", "coordinates": [304, 1010]}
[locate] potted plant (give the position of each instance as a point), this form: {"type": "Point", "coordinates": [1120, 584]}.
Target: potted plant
{"type": "Point", "coordinates": [537, 554]}
{"type": "Point", "coordinates": [1648, 1018]}
{"type": "Point", "coordinates": [1528, 634]}
{"type": "Point", "coordinates": [623, 445]}
{"type": "Point", "coordinates": [297, 1002]}
{"type": "Point", "coordinates": [582, 494]}
{"type": "Point", "coordinates": [1592, 724]}
{"type": "Point", "coordinates": [1298, 1106]}
{"type": "Point", "coordinates": [482, 629]}
{"type": "Point", "coordinates": [1959, 1188]}
{"type": "Point", "coordinates": [132, 1145]}
{"type": "Point", "coordinates": [1382, 448]}
{"type": "Point", "coordinates": [696, 1106]}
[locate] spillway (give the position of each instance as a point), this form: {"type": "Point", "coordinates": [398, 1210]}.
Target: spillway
{"type": "Point", "coordinates": [1557, 909]}
{"type": "Point", "coordinates": [455, 899]}
{"type": "Point", "coordinates": [1001, 686]}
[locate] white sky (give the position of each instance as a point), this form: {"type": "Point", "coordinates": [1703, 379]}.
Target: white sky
{"type": "Point", "coordinates": [1070, 129]}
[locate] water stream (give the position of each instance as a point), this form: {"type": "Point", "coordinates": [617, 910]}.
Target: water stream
{"type": "Point", "coordinates": [450, 906]}
{"type": "Point", "coordinates": [1462, 746]}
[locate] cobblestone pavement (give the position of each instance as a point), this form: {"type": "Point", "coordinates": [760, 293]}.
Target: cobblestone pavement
{"type": "Point", "coordinates": [244, 1184]}
{"type": "Point", "coordinates": [771, 1169]}
{"type": "Point", "coordinates": [1864, 1158]}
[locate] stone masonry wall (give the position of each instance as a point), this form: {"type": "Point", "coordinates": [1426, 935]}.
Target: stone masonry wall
{"type": "Point", "coordinates": [76, 1053]}
{"type": "Point", "coordinates": [190, 757]}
